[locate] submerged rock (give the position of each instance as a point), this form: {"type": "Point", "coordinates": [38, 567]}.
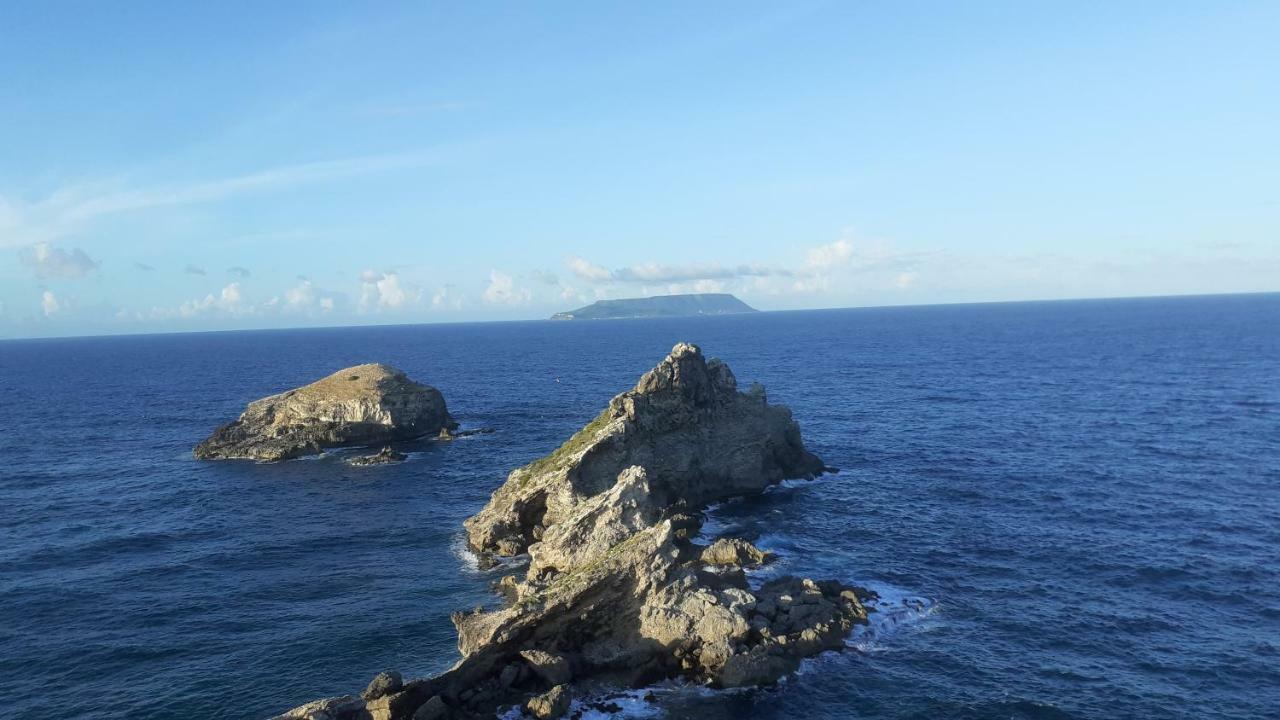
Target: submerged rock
{"type": "Point", "coordinates": [616, 591]}
{"type": "Point", "coordinates": [382, 457]}
{"type": "Point", "coordinates": [452, 433]}
{"type": "Point", "coordinates": [361, 405]}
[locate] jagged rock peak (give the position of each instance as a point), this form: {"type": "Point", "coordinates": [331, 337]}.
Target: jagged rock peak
{"type": "Point", "coordinates": [687, 374]}
{"type": "Point", "coordinates": [365, 404]}
{"type": "Point", "coordinates": [697, 438]}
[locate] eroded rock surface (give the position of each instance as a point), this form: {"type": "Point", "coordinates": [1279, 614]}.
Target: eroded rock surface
{"type": "Point", "coordinates": [618, 589]}
{"type": "Point", "coordinates": [685, 423]}
{"type": "Point", "coordinates": [361, 405]}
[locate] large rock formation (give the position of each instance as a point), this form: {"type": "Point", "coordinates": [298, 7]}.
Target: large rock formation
{"type": "Point", "coordinates": [699, 439]}
{"type": "Point", "coordinates": [618, 588]}
{"type": "Point", "coordinates": [361, 405]}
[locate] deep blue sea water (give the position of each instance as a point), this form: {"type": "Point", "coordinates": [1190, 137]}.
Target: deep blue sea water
{"type": "Point", "coordinates": [1084, 497]}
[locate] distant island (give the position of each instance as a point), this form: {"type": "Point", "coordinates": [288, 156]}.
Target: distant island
{"type": "Point", "coordinates": [660, 306]}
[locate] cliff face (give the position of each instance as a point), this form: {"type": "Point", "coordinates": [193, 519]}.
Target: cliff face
{"type": "Point", "coordinates": [618, 589]}
{"type": "Point", "coordinates": [365, 404]}
{"type": "Point", "coordinates": [698, 438]}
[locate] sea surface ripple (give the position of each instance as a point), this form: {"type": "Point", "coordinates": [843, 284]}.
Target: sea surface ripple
{"type": "Point", "coordinates": [1074, 508]}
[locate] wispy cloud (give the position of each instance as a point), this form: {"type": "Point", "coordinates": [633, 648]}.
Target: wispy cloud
{"type": "Point", "coordinates": [74, 206]}
{"type": "Point", "coordinates": [240, 272]}
{"type": "Point", "coordinates": [193, 270]}
{"type": "Point", "coordinates": [657, 273]}
{"type": "Point", "coordinates": [143, 267]}
{"type": "Point", "coordinates": [812, 272]}
{"type": "Point", "coordinates": [652, 272]}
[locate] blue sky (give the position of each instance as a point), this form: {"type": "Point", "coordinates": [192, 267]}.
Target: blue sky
{"type": "Point", "coordinates": [280, 164]}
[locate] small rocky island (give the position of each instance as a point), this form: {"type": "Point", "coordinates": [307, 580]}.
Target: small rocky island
{"type": "Point", "coordinates": [620, 589]}
{"type": "Point", "coordinates": [659, 306]}
{"type": "Point", "coordinates": [362, 405]}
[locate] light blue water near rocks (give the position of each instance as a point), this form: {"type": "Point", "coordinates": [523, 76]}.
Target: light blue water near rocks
{"type": "Point", "coordinates": [1078, 503]}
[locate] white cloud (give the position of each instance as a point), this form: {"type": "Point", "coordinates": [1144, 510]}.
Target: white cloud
{"type": "Point", "coordinates": [49, 303]}
{"type": "Point", "coordinates": [905, 280]}
{"type": "Point", "coordinates": [589, 271]}
{"type": "Point", "coordinates": [652, 272]}
{"type": "Point", "coordinates": [73, 206]}
{"type": "Point", "coordinates": [656, 273]}
{"type": "Point", "coordinates": [825, 257]}
{"type": "Point", "coordinates": [502, 290]}
{"type": "Point", "coordinates": [231, 295]}
{"type": "Point", "coordinates": [307, 298]}
{"type": "Point", "coordinates": [51, 262]}
{"type": "Point", "coordinates": [230, 300]}
{"type": "Point", "coordinates": [302, 297]}
{"type": "Point", "coordinates": [383, 290]}
{"type": "Point", "coordinates": [446, 298]}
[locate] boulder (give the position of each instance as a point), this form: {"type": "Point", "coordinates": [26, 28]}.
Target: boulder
{"type": "Point", "coordinates": [361, 405]}
{"type": "Point", "coordinates": [552, 669]}
{"type": "Point", "coordinates": [734, 552]}
{"type": "Point", "coordinates": [384, 683]}
{"type": "Point", "coordinates": [551, 704]}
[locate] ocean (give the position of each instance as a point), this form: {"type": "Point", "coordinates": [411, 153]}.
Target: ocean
{"type": "Point", "coordinates": [1073, 507]}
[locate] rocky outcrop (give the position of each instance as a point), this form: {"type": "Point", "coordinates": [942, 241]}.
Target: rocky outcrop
{"type": "Point", "coordinates": [685, 422]}
{"type": "Point", "coordinates": [618, 588]}
{"type": "Point", "coordinates": [385, 456]}
{"type": "Point", "coordinates": [361, 405]}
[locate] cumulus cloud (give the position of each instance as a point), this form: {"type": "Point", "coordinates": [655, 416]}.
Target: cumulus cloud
{"type": "Point", "coordinates": [383, 291]}
{"type": "Point", "coordinates": [50, 262]}
{"type": "Point", "coordinates": [230, 301]}
{"type": "Point", "coordinates": [813, 270]}
{"type": "Point", "coordinates": [193, 270]}
{"type": "Point", "coordinates": [239, 272]}
{"type": "Point", "coordinates": [502, 290]}
{"type": "Point", "coordinates": [49, 304]}
{"type": "Point", "coordinates": [589, 271]}
{"type": "Point", "coordinates": [825, 257]}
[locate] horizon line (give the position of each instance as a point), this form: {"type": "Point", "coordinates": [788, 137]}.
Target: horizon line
{"type": "Point", "coordinates": [29, 338]}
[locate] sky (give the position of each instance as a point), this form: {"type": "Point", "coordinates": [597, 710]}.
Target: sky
{"type": "Point", "coordinates": [171, 167]}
